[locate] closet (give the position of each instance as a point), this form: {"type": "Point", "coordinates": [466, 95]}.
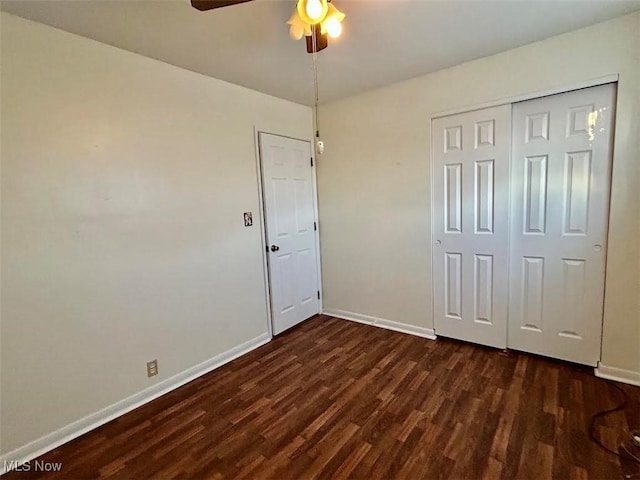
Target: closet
{"type": "Point", "coordinates": [519, 223]}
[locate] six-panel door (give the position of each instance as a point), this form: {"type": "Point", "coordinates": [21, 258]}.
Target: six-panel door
{"type": "Point", "coordinates": [560, 199]}
{"type": "Point", "coordinates": [470, 225]}
{"type": "Point", "coordinates": [291, 240]}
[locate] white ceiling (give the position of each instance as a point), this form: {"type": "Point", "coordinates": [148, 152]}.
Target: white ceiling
{"type": "Point", "coordinates": [383, 41]}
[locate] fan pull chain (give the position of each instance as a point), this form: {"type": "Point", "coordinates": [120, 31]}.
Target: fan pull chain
{"type": "Point", "coordinates": [315, 79]}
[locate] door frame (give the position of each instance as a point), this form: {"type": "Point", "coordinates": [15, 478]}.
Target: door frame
{"type": "Point", "coordinates": [613, 78]}
{"type": "Point", "coordinates": [262, 220]}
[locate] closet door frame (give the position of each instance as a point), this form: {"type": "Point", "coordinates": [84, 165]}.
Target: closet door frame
{"type": "Point", "coordinates": [508, 101]}
{"type": "Point", "coordinates": [529, 96]}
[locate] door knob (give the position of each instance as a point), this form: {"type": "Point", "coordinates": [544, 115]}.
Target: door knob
{"type": "Point", "coordinates": [275, 248]}
{"type": "Point", "coordinates": [597, 247]}
{"type": "Point", "coordinates": [437, 243]}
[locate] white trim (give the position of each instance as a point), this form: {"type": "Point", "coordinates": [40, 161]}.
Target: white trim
{"type": "Point", "coordinates": [431, 225]}
{"type": "Point", "coordinates": [617, 374]}
{"type": "Point", "coordinates": [529, 96]}
{"type": "Point", "coordinates": [52, 440]}
{"type": "Point", "coordinates": [316, 216]}
{"type": "Point", "coordinates": [382, 323]}
{"type": "Point", "coordinates": [263, 231]}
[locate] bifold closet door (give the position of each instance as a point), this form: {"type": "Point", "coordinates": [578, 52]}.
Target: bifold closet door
{"type": "Point", "coordinates": [470, 154]}
{"type": "Point", "coordinates": [561, 160]}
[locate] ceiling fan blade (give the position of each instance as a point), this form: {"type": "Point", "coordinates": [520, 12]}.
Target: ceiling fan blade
{"type": "Point", "coordinates": [204, 5]}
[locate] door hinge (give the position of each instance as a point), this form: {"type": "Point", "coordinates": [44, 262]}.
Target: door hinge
{"type": "Point", "coordinates": [315, 226]}
{"type": "Point", "coordinates": [318, 294]}
{"type": "Point", "coordinates": [312, 161]}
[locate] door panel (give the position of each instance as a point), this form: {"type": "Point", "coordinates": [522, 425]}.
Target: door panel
{"type": "Point", "coordinates": [470, 225]}
{"type": "Point", "coordinates": [453, 284]}
{"type": "Point", "coordinates": [289, 219]}
{"type": "Point", "coordinates": [535, 200]}
{"type": "Point", "coordinates": [560, 174]}
{"type": "Point", "coordinates": [532, 282]}
{"type": "Point", "coordinates": [576, 192]}
{"type": "Point", "coordinates": [483, 197]}
{"type": "Point", "coordinates": [453, 198]}
{"type": "Point", "coordinates": [484, 288]}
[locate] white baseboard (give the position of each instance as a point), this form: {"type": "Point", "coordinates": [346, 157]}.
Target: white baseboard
{"type": "Point", "coordinates": [382, 323]}
{"type": "Point", "coordinates": [52, 440]}
{"type": "Point", "coordinates": [618, 374]}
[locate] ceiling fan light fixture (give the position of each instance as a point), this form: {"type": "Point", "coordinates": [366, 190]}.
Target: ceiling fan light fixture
{"type": "Point", "coordinates": [332, 23]}
{"type": "Point", "coordinates": [312, 11]}
{"type": "Point", "coordinates": [333, 28]}
{"type": "Point", "coordinates": [297, 27]}
{"type": "Point", "coordinates": [315, 33]}
{"type": "Point", "coordinates": [296, 32]}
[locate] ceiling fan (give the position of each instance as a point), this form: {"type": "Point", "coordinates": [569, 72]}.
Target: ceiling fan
{"type": "Point", "coordinates": [314, 19]}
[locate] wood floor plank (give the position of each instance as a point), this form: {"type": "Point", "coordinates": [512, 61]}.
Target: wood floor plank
{"type": "Point", "coordinates": [337, 399]}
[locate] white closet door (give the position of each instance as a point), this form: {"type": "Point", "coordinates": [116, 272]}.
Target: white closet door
{"type": "Point", "coordinates": [470, 225]}
{"type": "Point", "coordinates": [560, 202]}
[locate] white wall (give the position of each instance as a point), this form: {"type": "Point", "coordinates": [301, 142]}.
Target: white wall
{"type": "Point", "coordinates": [124, 181]}
{"type": "Point", "coordinates": [374, 183]}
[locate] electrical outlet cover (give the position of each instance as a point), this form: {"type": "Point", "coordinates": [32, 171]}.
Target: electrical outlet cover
{"type": "Point", "coordinates": [152, 368]}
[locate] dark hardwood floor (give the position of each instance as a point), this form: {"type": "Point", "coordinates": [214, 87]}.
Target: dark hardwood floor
{"type": "Point", "coordinates": [336, 399]}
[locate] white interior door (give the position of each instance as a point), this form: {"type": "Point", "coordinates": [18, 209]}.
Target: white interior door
{"type": "Point", "coordinates": [470, 225]}
{"type": "Point", "coordinates": [560, 185]}
{"type": "Point", "coordinates": [290, 229]}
